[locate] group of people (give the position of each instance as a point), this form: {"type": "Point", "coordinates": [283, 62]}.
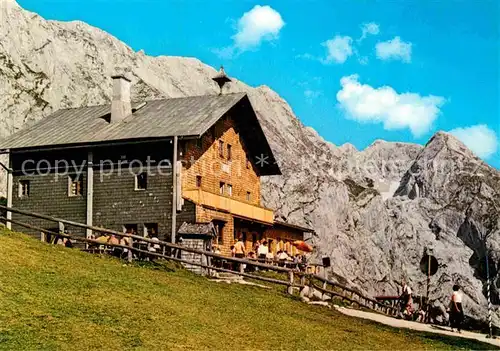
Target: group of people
{"type": "Point", "coordinates": [123, 252]}
{"type": "Point", "coordinates": [60, 240]}
{"type": "Point", "coordinates": [455, 309]}
{"type": "Point", "coordinates": [261, 252]}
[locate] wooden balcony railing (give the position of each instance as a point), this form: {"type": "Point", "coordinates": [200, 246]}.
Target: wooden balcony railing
{"type": "Point", "coordinates": [233, 206]}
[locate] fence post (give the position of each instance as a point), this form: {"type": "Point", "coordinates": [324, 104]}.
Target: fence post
{"type": "Point", "coordinates": [203, 260]}
{"type": "Point", "coordinates": [209, 264]}
{"type": "Point", "coordinates": [10, 185]}
{"type": "Point", "coordinates": [130, 253]}
{"type": "Point", "coordinates": [290, 278]}
{"type": "Point", "coordinates": [61, 231]}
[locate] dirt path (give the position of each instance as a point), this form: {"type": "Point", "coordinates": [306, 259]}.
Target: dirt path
{"type": "Point", "coordinates": [400, 323]}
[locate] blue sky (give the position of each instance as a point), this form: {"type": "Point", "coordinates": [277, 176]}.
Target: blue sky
{"type": "Point", "coordinates": [422, 66]}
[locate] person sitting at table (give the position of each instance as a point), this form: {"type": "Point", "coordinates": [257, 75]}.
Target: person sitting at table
{"type": "Point", "coordinates": [217, 262]}
{"type": "Point", "coordinates": [276, 255]}
{"type": "Point", "coordinates": [263, 251]}
{"type": "Point", "coordinates": [270, 258]}
{"type": "Point", "coordinates": [239, 251]}
{"type": "Point", "coordinates": [251, 268]}
{"type": "Point", "coordinates": [59, 240]}
{"type": "Point", "coordinates": [103, 239]}
{"type": "Point", "coordinates": [239, 248]}
{"type": "Point", "coordinates": [68, 243]}
{"type": "Point", "coordinates": [125, 242]}
{"type": "Point", "coordinates": [282, 258]}
{"type": "Point", "coordinates": [256, 245]}
{"type": "Point", "coordinates": [154, 247]}
{"type": "Point", "coordinates": [113, 240]}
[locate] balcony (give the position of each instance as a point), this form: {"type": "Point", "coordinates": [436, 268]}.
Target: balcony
{"type": "Point", "coordinates": [228, 204]}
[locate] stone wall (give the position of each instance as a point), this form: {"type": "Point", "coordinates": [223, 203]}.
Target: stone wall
{"type": "Point", "coordinates": [198, 244]}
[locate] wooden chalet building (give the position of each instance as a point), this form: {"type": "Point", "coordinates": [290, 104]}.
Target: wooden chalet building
{"type": "Point", "coordinates": [149, 167]}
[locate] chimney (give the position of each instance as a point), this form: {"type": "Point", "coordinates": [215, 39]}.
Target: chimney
{"type": "Point", "coordinates": [221, 78]}
{"type": "Point", "coordinates": [120, 105]}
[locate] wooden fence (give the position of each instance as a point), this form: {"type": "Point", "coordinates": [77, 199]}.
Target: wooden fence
{"type": "Point", "coordinates": [294, 280]}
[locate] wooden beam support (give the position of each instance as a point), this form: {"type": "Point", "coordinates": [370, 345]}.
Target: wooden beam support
{"type": "Point", "coordinates": [174, 192]}
{"type": "Point", "coordinates": [10, 189]}
{"type": "Point", "coordinates": [90, 193]}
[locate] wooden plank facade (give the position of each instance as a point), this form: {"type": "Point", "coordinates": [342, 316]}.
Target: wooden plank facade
{"type": "Point", "coordinates": [220, 176]}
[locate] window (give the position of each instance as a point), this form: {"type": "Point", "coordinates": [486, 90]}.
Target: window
{"type": "Point", "coordinates": [198, 181]}
{"type": "Point", "coordinates": [24, 188]}
{"type": "Point", "coordinates": [219, 228]}
{"type": "Point", "coordinates": [130, 228]}
{"type": "Point", "coordinates": [221, 148]}
{"type": "Point", "coordinates": [271, 244]}
{"type": "Point", "coordinates": [222, 185]}
{"type": "Point", "coordinates": [230, 190]}
{"type": "Point", "coordinates": [141, 181]}
{"type": "Point", "coordinates": [249, 196]}
{"type": "Point", "coordinates": [199, 143]}
{"type": "Point", "coordinates": [75, 185]}
{"type": "Point", "coordinates": [151, 229]}
{"type": "Point", "coordinates": [229, 152]}
{"type": "Point", "coordinates": [183, 147]}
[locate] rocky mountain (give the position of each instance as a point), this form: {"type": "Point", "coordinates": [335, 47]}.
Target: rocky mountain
{"type": "Point", "coordinates": [375, 211]}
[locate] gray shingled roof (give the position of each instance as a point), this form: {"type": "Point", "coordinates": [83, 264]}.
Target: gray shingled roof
{"type": "Point", "coordinates": [157, 119]}
{"type": "Point", "coordinates": [197, 229]}
{"type": "Point", "coordinates": [190, 116]}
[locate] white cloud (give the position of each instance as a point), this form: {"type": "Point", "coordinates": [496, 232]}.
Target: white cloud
{"type": "Point", "coordinates": [338, 49]}
{"type": "Point", "coordinates": [479, 138]}
{"type": "Point", "coordinates": [394, 49]}
{"type": "Point", "coordinates": [306, 56]}
{"type": "Point", "coordinates": [262, 23]}
{"type": "Point", "coordinates": [384, 105]}
{"type": "Point", "coordinates": [363, 60]}
{"type": "Point", "coordinates": [311, 95]}
{"type": "Point", "coordinates": [224, 53]}
{"type": "Point", "coordinates": [367, 29]}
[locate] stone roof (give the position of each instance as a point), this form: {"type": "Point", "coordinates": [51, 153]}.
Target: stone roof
{"type": "Point", "coordinates": [197, 229]}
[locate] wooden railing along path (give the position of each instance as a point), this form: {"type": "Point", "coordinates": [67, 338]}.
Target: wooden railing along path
{"type": "Point", "coordinates": [170, 251]}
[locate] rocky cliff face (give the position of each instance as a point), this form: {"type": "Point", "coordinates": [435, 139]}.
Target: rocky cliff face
{"type": "Point", "coordinates": [375, 211]}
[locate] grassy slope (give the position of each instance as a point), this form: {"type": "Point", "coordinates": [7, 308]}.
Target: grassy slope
{"type": "Point", "coordinates": [57, 298]}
